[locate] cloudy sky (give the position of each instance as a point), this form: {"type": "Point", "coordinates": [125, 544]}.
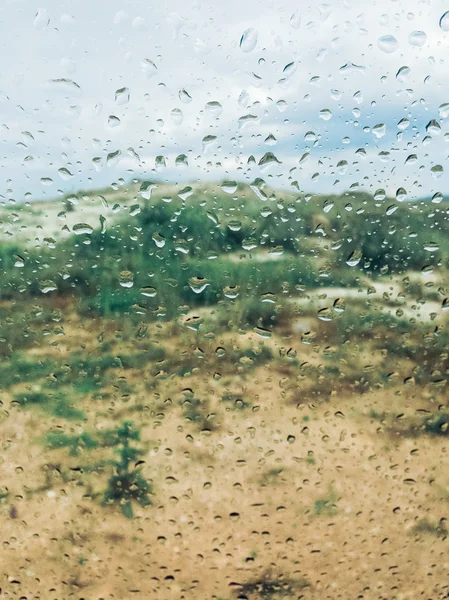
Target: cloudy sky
{"type": "Point", "coordinates": [341, 93]}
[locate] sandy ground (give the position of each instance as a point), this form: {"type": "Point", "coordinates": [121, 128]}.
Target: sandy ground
{"type": "Point", "coordinates": [287, 498]}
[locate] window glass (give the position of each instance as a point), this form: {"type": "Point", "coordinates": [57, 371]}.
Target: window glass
{"type": "Point", "coordinates": [224, 260]}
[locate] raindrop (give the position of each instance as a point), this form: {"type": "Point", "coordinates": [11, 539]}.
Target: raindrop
{"type": "Point", "coordinates": [19, 261]}
{"type": "Point", "coordinates": [126, 279]}
{"type": "Point", "coordinates": [433, 127]}
{"type": "Point", "coordinates": [248, 40]}
{"type": "Point", "coordinates": [181, 161]}
{"type": "Point", "coordinates": [328, 205]}
{"type": "Point", "coordinates": [122, 96]}
{"type": "Point", "coordinates": [149, 291]}
{"type": "Point", "coordinates": [437, 171]}
{"type": "Point", "coordinates": [148, 67]}
{"type": "Point", "coordinates": [443, 110]}
{"type": "Point", "coordinates": [411, 159]}
{"type": "Point", "coordinates": [379, 130]}
{"type": "Point", "coordinates": [401, 194]}
{"type": "Point", "coordinates": [325, 114]}
{"type": "Point", "coordinates": [231, 291]}
{"type": "Point", "coordinates": [431, 247]}
{"type": "Point", "coordinates": [268, 159]}
{"type": "Point", "coordinates": [387, 43]}
{"type": "Point", "coordinates": [82, 229]}
{"type": "Point", "coordinates": [47, 285]}
{"type": "Point", "coordinates": [444, 21]}
{"type": "Point", "coordinates": [403, 74]}
{"type": "Point", "coordinates": [158, 239]}
{"type": "Point", "coordinates": [230, 187]}
{"type": "Point", "coordinates": [208, 140]}
{"type": "Point", "coordinates": [113, 121]}
{"type": "Point", "coordinates": [41, 19]}
{"type": "Point", "coordinates": [198, 284]}
{"type": "Point", "coordinates": [214, 108]}
{"type": "Point", "coordinates": [113, 158]}
{"type": "Point", "coordinates": [263, 333]}
{"type": "Point", "coordinates": [417, 38]}
{"type": "Point", "coordinates": [184, 96]}
{"type": "Point", "coordinates": [177, 116]}
{"type": "Point", "coordinates": [65, 174]}
{"type": "Point", "coordinates": [354, 258]}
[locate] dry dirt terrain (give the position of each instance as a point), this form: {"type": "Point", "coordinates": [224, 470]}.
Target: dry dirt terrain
{"type": "Point", "coordinates": [276, 491]}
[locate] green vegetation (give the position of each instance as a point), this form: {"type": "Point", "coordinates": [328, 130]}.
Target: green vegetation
{"type": "Point", "coordinates": [426, 526]}
{"type": "Point", "coordinates": [326, 506]}
{"type": "Point", "coordinates": [127, 485]}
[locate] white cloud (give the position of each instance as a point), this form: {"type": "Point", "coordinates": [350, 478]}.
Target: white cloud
{"type": "Point", "coordinates": [156, 52]}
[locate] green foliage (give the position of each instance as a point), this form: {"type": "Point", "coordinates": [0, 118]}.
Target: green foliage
{"type": "Point", "coordinates": [327, 505]}
{"type": "Point", "coordinates": [75, 443]}
{"type": "Point", "coordinates": [127, 484]}
{"type": "Point", "coordinates": [56, 404]}
{"type": "Point", "coordinates": [437, 424]}
{"type": "Point", "coordinates": [426, 526]}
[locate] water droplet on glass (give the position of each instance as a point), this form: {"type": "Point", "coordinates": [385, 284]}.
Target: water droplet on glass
{"type": "Point", "coordinates": [231, 291]}
{"type": "Point", "coordinates": [230, 187]}
{"type": "Point", "coordinates": [387, 43]}
{"type": "Point", "coordinates": [198, 284]}
{"type": "Point", "coordinates": [328, 205]}
{"type": "Point", "coordinates": [148, 67]}
{"type": "Point", "coordinates": [444, 21]}
{"type": "Point", "coordinates": [431, 246]}
{"type": "Point", "coordinates": [126, 279]}
{"type": "Point", "coordinates": [325, 314]}
{"type": "Point", "coordinates": [437, 171]}
{"type": "Point", "coordinates": [47, 285]}
{"type": "Point", "coordinates": [181, 161]}
{"type": "Point", "coordinates": [433, 127]}
{"type": "Point", "coordinates": [208, 140]}
{"type": "Point", "coordinates": [248, 40]}
{"type": "Point", "coordinates": [82, 229]}
{"type": "Point", "coordinates": [158, 239]}
{"type": "Point", "coordinates": [379, 130]}
{"type": "Point", "coordinates": [113, 121]}
{"type": "Point", "coordinates": [325, 114]}
{"type": "Point", "coordinates": [401, 194]}
{"type": "Point", "coordinates": [184, 96]}
{"type": "Point", "coordinates": [261, 332]}
{"type": "Point", "coordinates": [402, 74]}
{"type": "Point", "coordinates": [177, 116]}
{"type": "Point", "coordinates": [417, 38]}
{"type": "Point", "coordinates": [354, 258]}
{"type": "Point", "coordinates": [41, 19]}
{"type": "Point", "coordinates": [149, 291]}
{"type": "Point", "coordinates": [113, 158]}
{"type": "Point", "coordinates": [122, 96]}
{"type": "Point", "coordinates": [214, 108]}
{"type": "Point", "coordinates": [19, 261]}
{"type": "Point", "coordinates": [268, 160]}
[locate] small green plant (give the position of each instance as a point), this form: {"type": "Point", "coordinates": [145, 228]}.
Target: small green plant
{"type": "Point", "coordinates": [127, 484]}
{"type": "Point", "coordinates": [75, 443]}
{"type": "Point", "coordinates": [437, 424]}
{"type": "Point", "coordinates": [327, 505]}
{"type": "Point", "coordinates": [426, 526]}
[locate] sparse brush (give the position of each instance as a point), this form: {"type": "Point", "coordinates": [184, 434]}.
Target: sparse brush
{"type": "Point", "coordinates": [127, 484]}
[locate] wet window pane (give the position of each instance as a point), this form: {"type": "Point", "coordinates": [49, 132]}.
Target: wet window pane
{"type": "Point", "coordinates": [224, 261]}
